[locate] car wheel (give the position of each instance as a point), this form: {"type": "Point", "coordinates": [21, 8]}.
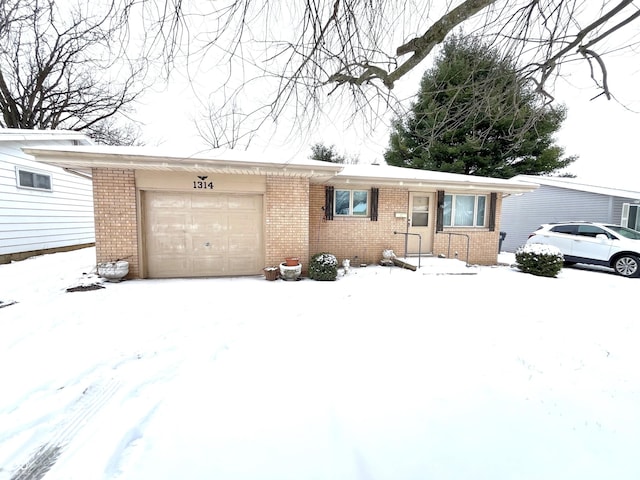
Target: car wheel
{"type": "Point", "coordinates": [627, 266]}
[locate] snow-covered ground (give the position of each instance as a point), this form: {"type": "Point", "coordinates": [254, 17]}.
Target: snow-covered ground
{"type": "Point", "coordinates": [483, 373]}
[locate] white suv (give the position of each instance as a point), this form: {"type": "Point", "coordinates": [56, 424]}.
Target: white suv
{"type": "Point", "coordinates": [594, 243]}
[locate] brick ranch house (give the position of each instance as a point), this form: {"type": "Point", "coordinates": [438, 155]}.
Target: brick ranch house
{"type": "Point", "coordinates": [233, 213]}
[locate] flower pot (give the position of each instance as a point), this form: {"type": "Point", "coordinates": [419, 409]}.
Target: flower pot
{"type": "Point", "coordinates": [291, 261]}
{"type": "Point", "coordinates": [113, 271]}
{"type": "Point", "coordinates": [271, 273]}
{"type": "Point", "coordinates": [290, 272]}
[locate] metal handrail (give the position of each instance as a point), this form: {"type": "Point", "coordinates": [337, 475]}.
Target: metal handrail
{"type": "Point", "coordinates": [449, 244]}
{"type": "Point", "coordinates": [406, 238]}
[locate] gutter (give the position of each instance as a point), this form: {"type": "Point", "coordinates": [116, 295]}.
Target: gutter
{"type": "Point", "coordinates": [79, 174]}
{"type": "Point", "coordinates": [70, 159]}
{"type": "Point", "coordinates": [458, 186]}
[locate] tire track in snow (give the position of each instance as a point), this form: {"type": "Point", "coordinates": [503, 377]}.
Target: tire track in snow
{"type": "Point", "coordinates": [132, 378]}
{"type": "Point", "coordinates": [45, 457]}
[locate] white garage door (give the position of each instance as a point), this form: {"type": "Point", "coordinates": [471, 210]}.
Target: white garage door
{"type": "Point", "coordinates": [202, 235]}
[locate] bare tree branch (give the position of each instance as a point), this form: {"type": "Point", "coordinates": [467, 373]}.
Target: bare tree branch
{"type": "Point", "coordinates": [64, 68]}
{"type": "Point", "coordinates": [58, 67]}
{"type": "Point", "coordinates": [419, 46]}
{"type": "Point", "coordinates": [303, 54]}
{"type": "Point", "coordinates": [224, 127]}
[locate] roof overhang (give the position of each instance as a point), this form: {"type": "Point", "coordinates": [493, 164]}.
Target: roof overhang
{"type": "Point", "coordinates": [382, 175]}
{"type": "Point", "coordinates": [580, 185]}
{"type": "Point", "coordinates": [224, 161]}
{"type": "Point", "coordinates": [140, 158]}
{"type": "Point", "coordinates": [447, 186]}
{"type": "Point", "coordinates": [42, 136]}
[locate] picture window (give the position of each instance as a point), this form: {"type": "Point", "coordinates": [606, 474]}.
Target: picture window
{"type": "Point", "coordinates": [351, 203]}
{"type": "Point", "coordinates": [465, 210]}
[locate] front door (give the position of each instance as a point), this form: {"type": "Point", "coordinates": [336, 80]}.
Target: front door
{"type": "Point", "coordinates": [420, 223]}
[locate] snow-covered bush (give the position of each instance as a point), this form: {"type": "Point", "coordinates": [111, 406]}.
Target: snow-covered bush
{"type": "Point", "coordinates": [539, 259]}
{"type": "Point", "coordinates": [323, 266]}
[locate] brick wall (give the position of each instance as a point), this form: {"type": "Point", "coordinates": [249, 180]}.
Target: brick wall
{"type": "Point", "coordinates": [114, 199]}
{"type": "Point", "coordinates": [362, 241]}
{"type": "Point", "coordinates": [358, 239]}
{"type": "Point", "coordinates": [286, 219]}
{"type": "Point", "coordinates": [483, 244]}
{"type": "Point", "coordinates": [294, 224]}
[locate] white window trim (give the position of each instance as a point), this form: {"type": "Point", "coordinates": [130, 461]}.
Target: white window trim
{"type": "Point", "coordinates": [624, 221]}
{"type": "Point", "coordinates": [626, 213]}
{"type": "Point", "coordinates": [475, 210]}
{"type": "Point", "coordinates": [351, 192]}
{"type": "Point", "coordinates": [35, 172]}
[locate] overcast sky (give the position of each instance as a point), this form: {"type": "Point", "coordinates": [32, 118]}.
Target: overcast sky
{"type": "Point", "coordinates": [603, 133]}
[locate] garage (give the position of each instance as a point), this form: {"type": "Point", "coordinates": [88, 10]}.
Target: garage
{"type": "Point", "coordinates": [202, 234]}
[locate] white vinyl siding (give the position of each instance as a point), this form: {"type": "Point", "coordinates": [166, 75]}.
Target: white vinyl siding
{"type": "Point", "coordinates": [33, 219]}
{"type": "Point", "coordinates": [31, 179]}
{"type": "Point", "coordinates": [522, 214]}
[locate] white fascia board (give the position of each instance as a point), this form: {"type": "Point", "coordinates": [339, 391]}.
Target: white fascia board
{"type": "Point", "coordinates": [83, 158]}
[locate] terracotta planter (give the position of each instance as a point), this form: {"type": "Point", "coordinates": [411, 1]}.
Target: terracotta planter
{"type": "Point", "coordinates": [291, 261]}
{"type": "Point", "coordinates": [271, 273]}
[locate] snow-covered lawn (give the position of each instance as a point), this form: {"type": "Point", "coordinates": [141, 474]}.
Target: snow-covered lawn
{"type": "Point", "coordinates": [385, 374]}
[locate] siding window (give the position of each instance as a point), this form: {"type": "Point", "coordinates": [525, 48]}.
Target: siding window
{"type": "Point", "coordinates": [631, 216]}
{"type": "Point", "coordinates": [36, 181]}
{"type": "Point", "coordinates": [465, 210]}
{"type": "Point", "coordinates": [351, 203]}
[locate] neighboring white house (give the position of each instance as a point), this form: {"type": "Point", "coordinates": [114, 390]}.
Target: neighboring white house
{"type": "Point", "coordinates": [562, 200]}
{"type": "Point", "coordinates": [42, 208]}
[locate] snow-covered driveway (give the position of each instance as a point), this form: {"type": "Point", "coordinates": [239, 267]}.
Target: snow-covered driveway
{"type": "Point", "coordinates": [383, 374]}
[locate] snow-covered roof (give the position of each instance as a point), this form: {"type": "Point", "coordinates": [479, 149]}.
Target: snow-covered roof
{"type": "Point", "coordinates": [390, 175]}
{"type": "Point", "coordinates": [26, 135]}
{"type": "Point", "coordinates": [258, 162]}
{"type": "Point", "coordinates": [577, 184]}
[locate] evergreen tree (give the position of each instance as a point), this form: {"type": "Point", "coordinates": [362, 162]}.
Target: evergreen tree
{"type": "Point", "coordinates": [475, 115]}
{"type": "Point", "coordinates": [323, 153]}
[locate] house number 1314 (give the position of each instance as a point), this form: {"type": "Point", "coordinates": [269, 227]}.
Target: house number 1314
{"type": "Point", "coordinates": [202, 183]}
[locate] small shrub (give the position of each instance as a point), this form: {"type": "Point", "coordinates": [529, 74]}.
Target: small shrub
{"type": "Point", "coordinates": [539, 259]}
{"type": "Point", "coordinates": [323, 266]}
